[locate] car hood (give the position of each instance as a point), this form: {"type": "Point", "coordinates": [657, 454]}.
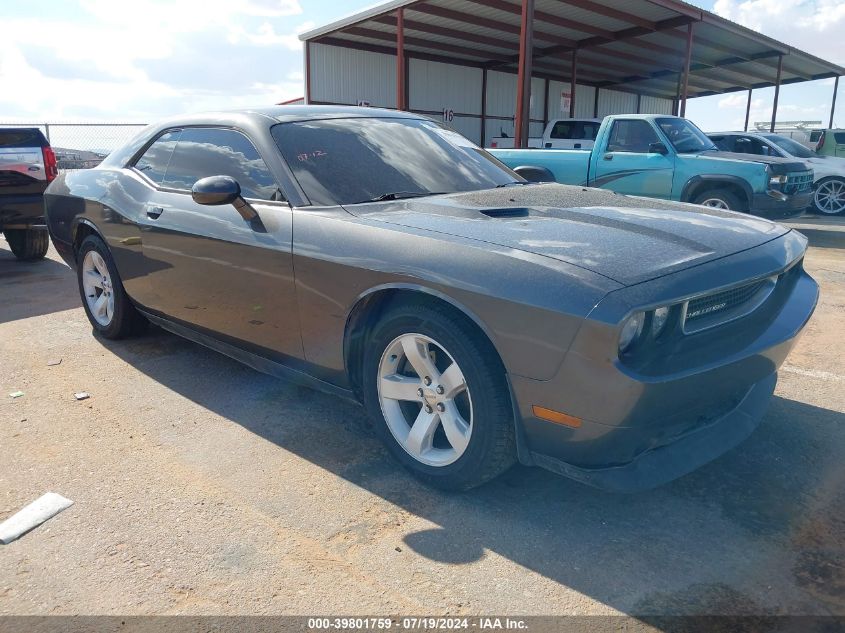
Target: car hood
{"type": "Point", "coordinates": [624, 238]}
{"type": "Point", "coordinates": [777, 164]}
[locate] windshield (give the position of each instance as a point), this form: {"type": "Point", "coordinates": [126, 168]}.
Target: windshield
{"type": "Point", "coordinates": [685, 136]}
{"type": "Point", "coordinates": [791, 147]}
{"type": "Point", "coordinates": [348, 161]}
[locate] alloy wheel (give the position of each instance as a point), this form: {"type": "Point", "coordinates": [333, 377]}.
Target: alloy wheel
{"type": "Point", "coordinates": [830, 197]}
{"type": "Point", "coordinates": [425, 400]}
{"type": "Point", "coordinates": [97, 286]}
{"type": "Point", "coordinates": [715, 203]}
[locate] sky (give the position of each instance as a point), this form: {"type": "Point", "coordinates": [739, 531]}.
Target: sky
{"type": "Point", "coordinates": [112, 60]}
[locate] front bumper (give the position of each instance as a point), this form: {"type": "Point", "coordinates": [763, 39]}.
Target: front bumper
{"type": "Point", "coordinates": [777, 206]}
{"type": "Point", "coordinates": [699, 397]}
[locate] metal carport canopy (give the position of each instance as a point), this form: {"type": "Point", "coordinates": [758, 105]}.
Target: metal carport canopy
{"type": "Point", "coordinates": [640, 46]}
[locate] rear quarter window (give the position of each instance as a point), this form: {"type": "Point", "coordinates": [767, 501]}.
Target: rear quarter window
{"type": "Point", "coordinates": [840, 137]}
{"type": "Point", "coordinates": [153, 162]}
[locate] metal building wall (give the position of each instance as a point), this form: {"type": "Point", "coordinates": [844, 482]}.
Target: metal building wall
{"type": "Point", "coordinates": [501, 104]}
{"type": "Point", "coordinates": [616, 102]}
{"type": "Point", "coordinates": [584, 100]}
{"type": "Point", "coordinates": [449, 93]}
{"type": "Point", "coordinates": [349, 76]}
{"type": "Point", "coordinates": [655, 105]}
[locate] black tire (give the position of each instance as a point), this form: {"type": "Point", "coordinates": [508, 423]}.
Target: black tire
{"type": "Point", "coordinates": [491, 447]}
{"type": "Point", "coordinates": [729, 198]}
{"type": "Point", "coordinates": [126, 321]}
{"type": "Point", "coordinates": [28, 244]}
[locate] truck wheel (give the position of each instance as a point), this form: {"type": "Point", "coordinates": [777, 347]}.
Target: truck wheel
{"type": "Point", "coordinates": [439, 397]}
{"type": "Point", "coordinates": [108, 308]}
{"type": "Point", "coordinates": [829, 196]}
{"type": "Point", "coordinates": [719, 199]}
{"type": "Point", "coordinates": [28, 244]}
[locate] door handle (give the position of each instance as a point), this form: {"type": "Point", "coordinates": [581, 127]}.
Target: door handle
{"type": "Point", "coordinates": [608, 156]}
{"type": "Point", "coordinates": [154, 212]}
{"type": "Point", "coordinates": [577, 145]}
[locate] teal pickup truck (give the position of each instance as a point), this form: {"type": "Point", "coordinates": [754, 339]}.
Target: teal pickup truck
{"type": "Point", "coordinates": [668, 157]}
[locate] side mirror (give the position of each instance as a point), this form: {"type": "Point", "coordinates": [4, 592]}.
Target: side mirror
{"type": "Point", "coordinates": [219, 190]}
{"type": "Point", "coordinates": [657, 148]}
{"type": "Point", "coordinates": [535, 174]}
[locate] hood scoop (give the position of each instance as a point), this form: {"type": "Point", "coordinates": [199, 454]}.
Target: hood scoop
{"type": "Point", "coordinates": [505, 212]}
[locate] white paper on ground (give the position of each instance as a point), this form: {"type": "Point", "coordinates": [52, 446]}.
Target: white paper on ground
{"type": "Point", "coordinates": [34, 514]}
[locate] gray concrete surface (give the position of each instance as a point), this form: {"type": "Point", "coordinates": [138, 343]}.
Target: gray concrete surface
{"type": "Point", "coordinates": [203, 487]}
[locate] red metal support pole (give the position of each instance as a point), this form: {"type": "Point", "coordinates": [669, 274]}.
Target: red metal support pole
{"type": "Point", "coordinates": [833, 103]}
{"type": "Point", "coordinates": [747, 110]}
{"type": "Point", "coordinates": [686, 69]}
{"type": "Point", "coordinates": [523, 81]}
{"type": "Point", "coordinates": [777, 94]}
{"type": "Point", "coordinates": [400, 60]}
{"type": "Point", "coordinates": [573, 75]}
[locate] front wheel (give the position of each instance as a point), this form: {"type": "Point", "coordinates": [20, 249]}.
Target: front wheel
{"type": "Point", "coordinates": [105, 301]}
{"type": "Point", "coordinates": [719, 199]}
{"type": "Point", "coordinates": [829, 196]}
{"type": "Point", "coordinates": [439, 396]}
{"type": "Point", "coordinates": [28, 244]}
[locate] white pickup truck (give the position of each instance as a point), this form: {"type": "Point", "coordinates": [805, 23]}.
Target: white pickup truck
{"type": "Point", "coordinates": [559, 134]}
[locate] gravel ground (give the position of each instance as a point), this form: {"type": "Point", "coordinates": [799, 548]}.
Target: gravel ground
{"type": "Point", "coordinates": [203, 487]}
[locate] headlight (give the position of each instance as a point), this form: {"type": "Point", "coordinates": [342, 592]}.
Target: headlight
{"type": "Point", "coordinates": [631, 330]}
{"type": "Point", "coordinates": [658, 321]}
{"type": "Point", "coordinates": [775, 182]}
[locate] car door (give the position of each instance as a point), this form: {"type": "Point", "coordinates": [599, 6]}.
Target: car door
{"type": "Point", "coordinates": [627, 165]}
{"type": "Point", "coordinates": [208, 267]}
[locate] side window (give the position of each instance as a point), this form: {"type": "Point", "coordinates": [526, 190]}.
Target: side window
{"type": "Point", "coordinates": [840, 137]}
{"type": "Point", "coordinates": [153, 162]}
{"type": "Point", "coordinates": [563, 130]}
{"type": "Point", "coordinates": [631, 136]}
{"type": "Point", "coordinates": [745, 145]}
{"type": "Point", "coordinates": [722, 142]}
{"type": "Point", "coordinates": [815, 135]}
{"type": "Point", "coordinates": [203, 152]}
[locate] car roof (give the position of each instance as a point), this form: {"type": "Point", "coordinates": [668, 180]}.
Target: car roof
{"type": "Point", "coordinates": [289, 113]}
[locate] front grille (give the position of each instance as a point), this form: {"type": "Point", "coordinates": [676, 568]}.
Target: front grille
{"type": "Point", "coordinates": [798, 182]}
{"type": "Point", "coordinates": [727, 305]}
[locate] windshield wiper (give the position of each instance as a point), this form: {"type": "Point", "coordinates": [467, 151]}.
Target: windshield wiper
{"type": "Point", "coordinates": [514, 183]}
{"type": "Point", "coordinates": [399, 195]}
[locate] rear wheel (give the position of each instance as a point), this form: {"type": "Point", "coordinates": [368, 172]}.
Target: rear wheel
{"type": "Point", "coordinates": [829, 196]}
{"type": "Point", "coordinates": [719, 199]}
{"type": "Point", "coordinates": [108, 308]}
{"type": "Point", "coordinates": [439, 396]}
{"type": "Point", "coordinates": [28, 244]}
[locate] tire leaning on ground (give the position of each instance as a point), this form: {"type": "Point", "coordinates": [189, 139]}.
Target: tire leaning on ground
{"type": "Point", "coordinates": [719, 199]}
{"type": "Point", "coordinates": [108, 308]}
{"type": "Point", "coordinates": [437, 392]}
{"type": "Point", "coordinates": [829, 196]}
{"type": "Point", "coordinates": [28, 244]}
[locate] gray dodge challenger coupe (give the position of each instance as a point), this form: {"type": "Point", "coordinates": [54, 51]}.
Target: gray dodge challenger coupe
{"type": "Point", "coordinates": [480, 318]}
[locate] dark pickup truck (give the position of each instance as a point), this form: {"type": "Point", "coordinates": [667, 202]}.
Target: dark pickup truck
{"type": "Point", "coordinates": [27, 166]}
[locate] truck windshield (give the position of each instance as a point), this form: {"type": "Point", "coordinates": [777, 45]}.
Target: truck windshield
{"type": "Point", "coordinates": [354, 160]}
{"type": "Point", "coordinates": [685, 136]}
{"type": "Point", "coordinates": [790, 146]}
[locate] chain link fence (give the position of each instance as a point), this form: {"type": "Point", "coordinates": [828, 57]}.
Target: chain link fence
{"type": "Point", "coordinates": [83, 145]}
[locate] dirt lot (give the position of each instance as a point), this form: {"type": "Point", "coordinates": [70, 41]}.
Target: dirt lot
{"type": "Point", "coordinates": [201, 486]}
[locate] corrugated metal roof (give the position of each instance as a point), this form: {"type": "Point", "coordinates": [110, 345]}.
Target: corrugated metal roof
{"type": "Point", "coordinates": [623, 44]}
